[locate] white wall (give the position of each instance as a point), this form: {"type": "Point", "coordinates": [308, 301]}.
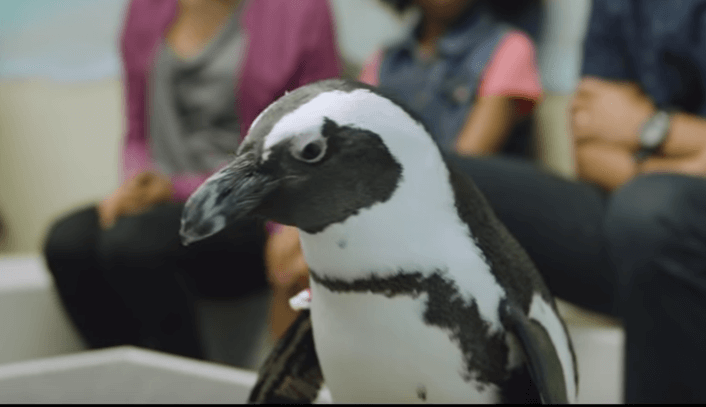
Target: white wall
{"type": "Point", "coordinates": [60, 138]}
{"type": "Point", "coordinates": [364, 26]}
{"type": "Point", "coordinates": [59, 147]}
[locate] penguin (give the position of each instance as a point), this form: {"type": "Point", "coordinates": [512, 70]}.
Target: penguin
{"type": "Point", "coordinates": [418, 292]}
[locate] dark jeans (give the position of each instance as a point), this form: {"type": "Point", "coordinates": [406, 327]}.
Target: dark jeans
{"type": "Point", "coordinates": [135, 284]}
{"type": "Point", "coordinates": [638, 253]}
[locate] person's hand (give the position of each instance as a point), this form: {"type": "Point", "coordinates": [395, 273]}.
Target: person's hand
{"type": "Point", "coordinates": [288, 274]}
{"type": "Point", "coordinates": [134, 196]}
{"type": "Point", "coordinates": [284, 259]}
{"type": "Point", "coordinates": [610, 112]}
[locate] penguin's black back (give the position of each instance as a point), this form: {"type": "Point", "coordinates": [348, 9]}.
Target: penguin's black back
{"type": "Point", "coordinates": [519, 389]}
{"type": "Point", "coordinates": [509, 262]}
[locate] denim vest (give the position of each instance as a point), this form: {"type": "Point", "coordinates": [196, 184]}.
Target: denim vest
{"type": "Point", "coordinates": [442, 90]}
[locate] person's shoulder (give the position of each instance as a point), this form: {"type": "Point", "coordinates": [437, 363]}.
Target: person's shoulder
{"type": "Point", "coordinates": [370, 73]}
{"type": "Point", "coordinates": [143, 16]}
{"type": "Point", "coordinates": [293, 22]}
{"type": "Point", "coordinates": [515, 46]}
{"type": "Point", "coordinates": [517, 40]}
{"type": "Point", "coordinates": [513, 69]}
{"type": "Point", "coordinates": [300, 11]}
{"type": "Point", "coordinates": [611, 8]}
{"type": "Point", "coordinates": [149, 7]}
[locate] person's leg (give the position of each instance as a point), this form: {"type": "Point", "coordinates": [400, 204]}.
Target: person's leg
{"type": "Point", "coordinates": [229, 264]}
{"type": "Point", "coordinates": [557, 221]}
{"type": "Point", "coordinates": [140, 256]}
{"type": "Point", "coordinates": [94, 307]}
{"type": "Point", "coordinates": [159, 278]}
{"type": "Point", "coordinates": [656, 229]}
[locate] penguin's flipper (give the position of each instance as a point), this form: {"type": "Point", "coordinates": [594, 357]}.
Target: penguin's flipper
{"type": "Point", "coordinates": [543, 361]}
{"type": "Point", "coordinates": [291, 374]}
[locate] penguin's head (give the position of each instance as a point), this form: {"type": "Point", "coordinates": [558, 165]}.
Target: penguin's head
{"type": "Point", "coordinates": [314, 157]}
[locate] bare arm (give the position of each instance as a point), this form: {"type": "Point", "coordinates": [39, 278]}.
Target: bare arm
{"type": "Point", "coordinates": [487, 126]}
{"type": "Point", "coordinates": [606, 118]}
{"type": "Point", "coordinates": [609, 166]}
{"type": "Point", "coordinates": [687, 136]}
{"type": "Point", "coordinates": [694, 164]}
{"type": "Point", "coordinates": [287, 273]}
{"type": "Point", "coordinates": [614, 112]}
{"type": "Point", "coordinates": [605, 165]}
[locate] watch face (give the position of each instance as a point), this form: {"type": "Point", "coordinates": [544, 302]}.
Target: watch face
{"type": "Point", "coordinates": [651, 137]}
{"type": "Point", "coordinates": [655, 131]}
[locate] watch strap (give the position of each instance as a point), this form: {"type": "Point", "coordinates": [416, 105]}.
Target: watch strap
{"type": "Point", "coordinates": [645, 151]}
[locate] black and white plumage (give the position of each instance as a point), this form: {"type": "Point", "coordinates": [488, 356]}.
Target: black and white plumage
{"type": "Point", "coordinates": [419, 293]}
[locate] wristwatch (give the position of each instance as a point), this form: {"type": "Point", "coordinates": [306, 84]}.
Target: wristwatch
{"type": "Point", "coordinates": [653, 134]}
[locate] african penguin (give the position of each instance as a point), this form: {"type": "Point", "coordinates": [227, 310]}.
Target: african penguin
{"type": "Point", "coordinates": [418, 292]}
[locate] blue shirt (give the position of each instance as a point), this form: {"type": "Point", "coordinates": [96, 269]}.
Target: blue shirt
{"type": "Point", "coordinates": [659, 44]}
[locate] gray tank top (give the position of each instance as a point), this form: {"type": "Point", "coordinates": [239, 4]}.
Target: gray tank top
{"type": "Point", "coordinates": [193, 124]}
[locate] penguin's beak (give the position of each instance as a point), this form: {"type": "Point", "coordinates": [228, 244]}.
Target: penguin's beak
{"type": "Point", "coordinates": [230, 194]}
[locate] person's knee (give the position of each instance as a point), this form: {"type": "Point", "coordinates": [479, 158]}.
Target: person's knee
{"type": "Point", "coordinates": [138, 242]}
{"type": "Point", "coordinates": [648, 225]}
{"type": "Point", "coordinates": [71, 236]}
{"type": "Point", "coordinates": [646, 212]}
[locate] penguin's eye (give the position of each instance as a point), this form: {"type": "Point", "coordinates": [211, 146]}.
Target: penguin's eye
{"type": "Point", "coordinates": [311, 152]}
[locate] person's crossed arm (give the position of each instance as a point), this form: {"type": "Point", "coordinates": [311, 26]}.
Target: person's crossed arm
{"type": "Point", "coordinates": [607, 117]}
{"type": "Point", "coordinates": [609, 109]}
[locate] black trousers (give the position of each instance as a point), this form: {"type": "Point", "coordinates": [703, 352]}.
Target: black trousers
{"type": "Point", "coordinates": [638, 253]}
{"type": "Point", "coordinates": [135, 284]}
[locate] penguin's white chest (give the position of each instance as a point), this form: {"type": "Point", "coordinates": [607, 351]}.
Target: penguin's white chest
{"type": "Point", "coordinates": [378, 349]}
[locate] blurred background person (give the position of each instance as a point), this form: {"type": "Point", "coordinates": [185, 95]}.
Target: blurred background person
{"type": "Point", "coordinates": [468, 72]}
{"type": "Point", "coordinates": [196, 74]}
{"type": "Point", "coordinates": [628, 239]}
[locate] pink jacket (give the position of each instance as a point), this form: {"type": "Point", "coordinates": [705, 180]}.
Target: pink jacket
{"type": "Point", "coordinates": [290, 43]}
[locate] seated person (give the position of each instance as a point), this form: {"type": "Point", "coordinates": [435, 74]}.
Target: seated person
{"type": "Point", "coordinates": [197, 73]}
{"type": "Point", "coordinates": [470, 75]}
{"type": "Point", "coordinates": [629, 238]}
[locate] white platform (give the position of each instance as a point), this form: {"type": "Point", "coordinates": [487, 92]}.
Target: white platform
{"type": "Point", "coordinates": [600, 361]}
{"type": "Point", "coordinates": [125, 375]}
{"type": "Point", "coordinates": [122, 375]}
{"type": "Point", "coordinates": [33, 319]}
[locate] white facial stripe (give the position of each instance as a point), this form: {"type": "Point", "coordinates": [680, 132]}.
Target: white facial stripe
{"type": "Point", "coordinates": [257, 119]}
{"type": "Point", "coordinates": [306, 119]}
{"type": "Point", "coordinates": [543, 313]}
{"type": "Point", "coordinates": [360, 108]}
